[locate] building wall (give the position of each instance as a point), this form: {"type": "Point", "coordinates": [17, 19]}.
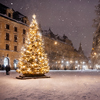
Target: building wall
{"type": "Point", "coordinates": [61, 53]}
{"type": "Point", "coordinates": [11, 54]}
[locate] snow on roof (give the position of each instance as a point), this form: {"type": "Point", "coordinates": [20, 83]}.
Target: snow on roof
{"type": "Point", "coordinates": [17, 16]}
{"type": "Point", "coordinates": [5, 16]}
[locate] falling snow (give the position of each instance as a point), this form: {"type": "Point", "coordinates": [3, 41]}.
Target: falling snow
{"type": "Point", "coordinates": [62, 16]}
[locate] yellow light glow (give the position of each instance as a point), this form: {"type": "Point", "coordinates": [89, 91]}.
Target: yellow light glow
{"type": "Point", "coordinates": [55, 42]}
{"type": "Point", "coordinates": [95, 53]}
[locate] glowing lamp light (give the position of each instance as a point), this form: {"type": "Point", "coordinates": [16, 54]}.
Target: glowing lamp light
{"type": "Point", "coordinates": [95, 53]}
{"type": "Point", "coordinates": [78, 65]}
{"type": "Point", "coordinates": [76, 61]}
{"type": "Point", "coordinates": [62, 61]}
{"type": "Point", "coordinates": [55, 42]}
{"type": "Point", "coordinates": [71, 61]}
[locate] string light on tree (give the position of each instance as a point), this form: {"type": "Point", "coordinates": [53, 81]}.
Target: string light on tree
{"type": "Point", "coordinates": [33, 60]}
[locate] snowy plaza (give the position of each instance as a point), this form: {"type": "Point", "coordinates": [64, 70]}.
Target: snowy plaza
{"type": "Point", "coordinates": [63, 85]}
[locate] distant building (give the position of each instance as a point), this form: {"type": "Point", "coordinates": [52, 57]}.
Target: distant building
{"type": "Point", "coordinates": [13, 28]}
{"type": "Point", "coordinates": [61, 52]}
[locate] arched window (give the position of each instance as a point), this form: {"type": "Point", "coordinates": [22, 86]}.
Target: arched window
{"type": "Point", "coordinates": [6, 61]}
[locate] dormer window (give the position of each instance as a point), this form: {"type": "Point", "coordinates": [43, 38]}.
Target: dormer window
{"type": "Point", "coordinates": [9, 14]}
{"type": "Point", "coordinates": [25, 20]}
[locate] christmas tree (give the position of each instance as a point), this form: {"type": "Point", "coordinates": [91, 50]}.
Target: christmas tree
{"type": "Point", "coordinates": [33, 60]}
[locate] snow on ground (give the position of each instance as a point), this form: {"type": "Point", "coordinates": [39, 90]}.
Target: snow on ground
{"type": "Point", "coordinates": [63, 85]}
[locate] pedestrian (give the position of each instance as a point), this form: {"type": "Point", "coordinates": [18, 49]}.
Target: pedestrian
{"type": "Point", "coordinates": [7, 69]}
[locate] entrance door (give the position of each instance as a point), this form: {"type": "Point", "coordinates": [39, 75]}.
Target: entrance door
{"type": "Point", "coordinates": [6, 61]}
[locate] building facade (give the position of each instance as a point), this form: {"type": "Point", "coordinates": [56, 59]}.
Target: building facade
{"type": "Point", "coordinates": [62, 54]}
{"type": "Point", "coordinates": [13, 29]}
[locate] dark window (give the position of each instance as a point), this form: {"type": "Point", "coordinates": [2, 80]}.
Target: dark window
{"type": "Point", "coordinates": [15, 48]}
{"type": "Point", "coordinates": [23, 40]}
{"type": "Point", "coordinates": [24, 31]}
{"type": "Point", "coordinates": [25, 21]}
{"type": "Point", "coordinates": [7, 46]}
{"type": "Point", "coordinates": [7, 26]}
{"type": "Point", "coordinates": [15, 38]}
{"type": "Point", "coordinates": [9, 15]}
{"type": "Point", "coordinates": [15, 29]}
{"type": "Point", "coordinates": [7, 36]}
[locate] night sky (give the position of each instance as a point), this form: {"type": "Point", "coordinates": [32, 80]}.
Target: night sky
{"type": "Point", "coordinates": [74, 18]}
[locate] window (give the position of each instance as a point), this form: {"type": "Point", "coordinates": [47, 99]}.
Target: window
{"type": "Point", "coordinates": [15, 48]}
{"type": "Point", "coordinates": [15, 29]}
{"type": "Point", "coordinates": [7, 46]}
{"type": "Point", "coordinates": [7, 26]}
{"type": "Point", "coordinates": [24, 31]}
{"type": "Point", "coordinates": [15, 38]}
{"type": "Point", "coordinates": [25, 21]}
{"type": "Point", "coordinates": [7, 36]}
{"type": "Point", "coordinates": [9, 15]}
{"type": "Point", "coordinates": [23, 40]}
